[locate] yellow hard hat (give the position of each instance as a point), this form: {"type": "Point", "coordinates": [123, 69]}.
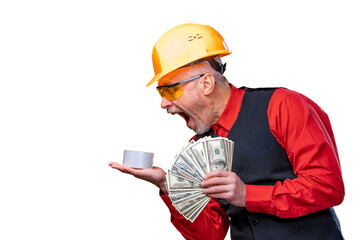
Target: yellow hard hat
{"type": "Point", "coordinates": [184, 44]}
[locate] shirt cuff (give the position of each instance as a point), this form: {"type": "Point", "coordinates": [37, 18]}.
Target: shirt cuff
{"type": "Point", "coordinates": [258, 198]}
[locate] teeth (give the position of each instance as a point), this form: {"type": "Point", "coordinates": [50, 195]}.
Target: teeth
{"type": "Point", "coordinates": [169, 112]}
{"type": "Point", "coordinates": [173, 113]}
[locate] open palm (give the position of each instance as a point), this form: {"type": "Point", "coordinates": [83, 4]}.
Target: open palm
{"type": "Point", "coordinates": [155, 175]}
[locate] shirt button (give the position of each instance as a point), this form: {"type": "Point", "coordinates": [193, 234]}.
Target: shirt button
{"type": "Point", "coordinates": [255, 222]}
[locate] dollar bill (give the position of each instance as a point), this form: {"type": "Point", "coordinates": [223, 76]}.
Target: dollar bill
{"type": "Point", "coordinates": [181, 173]}
{"type": "Point", "coordinates": [184, 196]}
{"type": "Point", "coordinates": [190, 160]}
{"type": "Point", "coordinates": [231, 151]}
{"type": "Point", "coordinates": [180, 163]}
{"type": "Point", "coordinates": [186, 206]}
{"type": "Point", "coordinates": [199, 153]}
{"type": "Point", "coordinates": [189, 168]}
{"type": "Point", "coordinates": [217, 154]}
{"type": "Point", "coordinates": [193, 214]}
{"type": "Point", "coordinates": [180, 184]}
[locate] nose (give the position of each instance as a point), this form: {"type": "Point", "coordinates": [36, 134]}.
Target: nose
{"type": "Point", "coordinates": [165, 103]}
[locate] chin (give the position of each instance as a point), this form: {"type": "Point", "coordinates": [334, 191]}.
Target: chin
{"type": "Point", "coordinates": [196, 125]}
{"type": "Point", "coordinates": [202, 130]}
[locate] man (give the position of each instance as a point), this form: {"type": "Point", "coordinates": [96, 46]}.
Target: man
{"type": "Point", "coordinates": [286, 173]}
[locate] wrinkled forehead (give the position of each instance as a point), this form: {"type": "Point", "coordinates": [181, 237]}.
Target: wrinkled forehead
{"type": "Point", "coordinates": [183, 73]}
{"type": "Point", "coordinates": [174, 76]}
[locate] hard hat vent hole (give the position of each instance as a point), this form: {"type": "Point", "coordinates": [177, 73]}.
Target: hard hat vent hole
{"type": "Point", "coordinates": [193, 37]}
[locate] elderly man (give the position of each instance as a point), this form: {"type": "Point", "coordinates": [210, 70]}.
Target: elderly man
{"type": "Point", "coordinates": [286, 174]}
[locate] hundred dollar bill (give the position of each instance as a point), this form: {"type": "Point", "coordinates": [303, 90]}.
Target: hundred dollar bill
{"type": "Point", "coordinates": [185, 206]}
{"type": "Point", "coordinates": [216, 151]}
{"type": "Point", "coordinates": [231, 151]}
{"type": "Point", "coordinates": [181, 173]}
{"type": "Point", "coordinates": [184, 196]}
{"type": "Point", "coordinates": [199, 152]}
{"type": "Point", "coordinates": [192, 215]}
{"type": "Point", "coordinates": [180, 184]}
{"type": "Point", "coordinates": [196, 204]}
{"type": "Point", "coordinates": [180, 163]}
{"type": "Point", "coordinates": [199, 168]}
{"type": "Point", "coordinates": [189, 159]}
{"type": "Point", "coordinates": [175, 192]}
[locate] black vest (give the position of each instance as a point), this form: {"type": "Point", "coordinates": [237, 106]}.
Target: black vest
{"type": "Point", "coordinates": [260, 160]}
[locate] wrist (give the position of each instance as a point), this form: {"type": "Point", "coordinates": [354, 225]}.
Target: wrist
{"type": "Point", "coordinates": [163, 188]}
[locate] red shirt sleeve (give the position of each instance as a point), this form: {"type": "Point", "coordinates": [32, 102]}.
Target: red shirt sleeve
{"type": "Point", "coordinates": [212, 222]}
{"type": "Point", "coordinates": [304, 131]}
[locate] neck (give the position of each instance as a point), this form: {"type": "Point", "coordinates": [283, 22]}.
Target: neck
{"type": "Point", "coordinates": [219, 100]}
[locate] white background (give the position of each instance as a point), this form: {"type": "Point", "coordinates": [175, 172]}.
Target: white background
{"type": "Point", "coordinates": [73, 97]}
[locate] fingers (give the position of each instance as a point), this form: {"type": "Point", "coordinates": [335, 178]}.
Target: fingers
{"type": "Point", "coordinates": [226, 185]}
{"type": "Point", "coordinates": [218, 177]}
{"type": "Point", "coordinates": [139, 173]}
{"type": "Point", "coordinates": [116, 165]}
{"type": "Point", "coordinates": [113, 164]}
{"type": "Point", "coordinates": [122, 168]}
{"type": "Point", "coordinates": [216, 190]}
{"type": "Point", "coordinates": [227, 192]}
{"type": "Point", "coordinates": [217, 173]}
{"type": "Point", "coordinates": [215, 181]}
{"type": "Point", "coordinates": [216, 184]}
{"type": "Point", "coordinates": [219, 185]}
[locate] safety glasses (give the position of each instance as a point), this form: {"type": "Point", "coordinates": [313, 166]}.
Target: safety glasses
{"type": "Point", "coordinates": [174, 91]}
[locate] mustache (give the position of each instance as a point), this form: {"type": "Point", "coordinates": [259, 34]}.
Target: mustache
{"type": "Point", "coordinates": [169, 111]}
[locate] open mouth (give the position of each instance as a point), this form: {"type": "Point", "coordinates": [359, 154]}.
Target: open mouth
{"type": "Point", "coordinates": [185, 116]}
{"type": "Point", "coordinates": [182, 114]}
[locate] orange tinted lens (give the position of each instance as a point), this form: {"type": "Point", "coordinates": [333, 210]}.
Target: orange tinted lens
{"type": "Point", "coordinates": [161, 91]}
{"type": "Point", "coordinates": [170, 93]}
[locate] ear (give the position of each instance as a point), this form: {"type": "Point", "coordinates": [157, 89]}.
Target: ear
{"type": "Point", "coordinates": [207, 84]}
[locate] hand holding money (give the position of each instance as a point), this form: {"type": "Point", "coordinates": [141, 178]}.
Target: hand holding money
{"type": "Point", "coordinates": [189, 169]}
{"type": "Point", "coordinates": [225, 185]}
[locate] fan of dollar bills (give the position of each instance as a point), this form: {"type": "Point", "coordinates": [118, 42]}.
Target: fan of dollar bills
{"type": "Point", "coordinates": [190, 166]}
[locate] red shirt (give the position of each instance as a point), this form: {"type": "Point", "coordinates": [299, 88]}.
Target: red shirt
{"type": "Point", "coordinates": [303, 129]}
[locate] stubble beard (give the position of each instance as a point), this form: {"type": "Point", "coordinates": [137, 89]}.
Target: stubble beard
{"type": "Point", "coordinates": [201, 129]}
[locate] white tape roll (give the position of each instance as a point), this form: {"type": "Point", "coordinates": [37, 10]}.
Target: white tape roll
{"type": "Point", "coordinates": [137, 159]}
